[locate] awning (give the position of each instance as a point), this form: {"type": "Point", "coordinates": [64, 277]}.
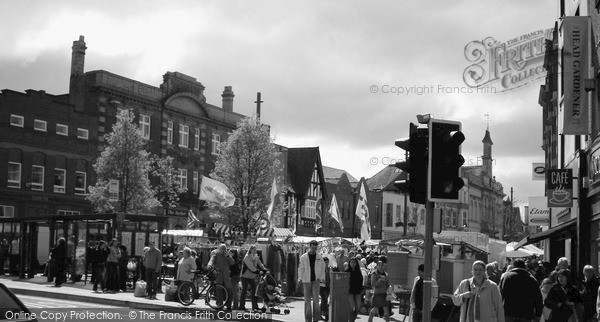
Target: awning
{"type": "Point", "coordinates": [275, 232]}
{"type": "Point", "coordinates": [472, 248]}
{"type": "Point", "coordinates": [562, 231]}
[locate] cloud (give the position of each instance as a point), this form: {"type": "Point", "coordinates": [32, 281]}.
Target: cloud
{"type": "Point", "coordinates": [314, 62]}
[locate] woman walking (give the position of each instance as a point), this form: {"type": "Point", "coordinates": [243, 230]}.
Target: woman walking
{"type": "Point", "coordinates": [250, 268]}
{"type": "Point", "coordinates": [478, 297]}
{"type": "Point", "coordinates": [562, 298]}
{"type": "Point", "coordinates": [356, 288]}
{"type": "Point", "coordinates": [59, 257]}
{"type": "Point", "coordinates": [380, 283]}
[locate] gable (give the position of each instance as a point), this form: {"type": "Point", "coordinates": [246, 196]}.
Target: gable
{"type": "Point", "coordinates": [187, 104]}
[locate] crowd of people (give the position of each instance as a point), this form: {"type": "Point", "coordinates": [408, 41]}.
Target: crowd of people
{"type": "Point", "coordinates": [527, 291]}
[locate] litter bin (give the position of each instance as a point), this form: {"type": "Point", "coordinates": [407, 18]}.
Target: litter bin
{"type": "Point", "coordinates": [338, 303]}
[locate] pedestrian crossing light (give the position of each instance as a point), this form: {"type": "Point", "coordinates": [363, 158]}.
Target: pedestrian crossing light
{"type": "Point", "coordinates": [445, 160]}
{"type": "Point", "coordinates": [415, 165]}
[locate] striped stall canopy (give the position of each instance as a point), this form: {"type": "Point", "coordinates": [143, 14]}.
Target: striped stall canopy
{"type": "Point", "coordinates": [275, 232]}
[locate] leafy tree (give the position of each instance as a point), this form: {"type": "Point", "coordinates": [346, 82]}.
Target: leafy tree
{"type": "Point", "coordinates": [165, 182]}
{"type": "Point", "coordinates": [124, 159]}
{"type": "Point", "coordinates": [247, 165]}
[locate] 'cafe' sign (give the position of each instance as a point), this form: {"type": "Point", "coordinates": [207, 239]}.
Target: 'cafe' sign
{"type": "Point", "coordinates": [559, 188]}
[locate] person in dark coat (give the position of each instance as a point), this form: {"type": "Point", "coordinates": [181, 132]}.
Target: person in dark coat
{"type": "Point", "coordinates": [589, 293]}
{"type": "Point", "coordinates": [274, 260]}
{"type": "Point", "coordinates": [562, 298]}
{"type": "Point", "coordinates": [91, 259]}
{"type": "Point", "coordinates": [59, 257]}
{"type": "Point", "coordinates": [123, 261]}
{"type": "Point", "coordinates": [4, 247]}
{"type": "Point", "coordinates": [356, 288]}
{"type": "Point", "coordinates": [101, 256]}
{"type": "Point", "coordinates": [521, 294]}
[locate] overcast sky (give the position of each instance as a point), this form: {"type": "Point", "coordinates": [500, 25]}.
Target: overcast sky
{"type": "Point", "coordinates": [322, 67]}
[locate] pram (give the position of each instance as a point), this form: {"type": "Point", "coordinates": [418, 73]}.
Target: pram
{"type": "Point", "coordinates": [270, 294]}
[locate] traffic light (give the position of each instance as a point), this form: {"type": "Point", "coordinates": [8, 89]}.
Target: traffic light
{"type": "Point", "coordinates": [445, 160]}
{"type": "Point", "coordinates": [415, 165]}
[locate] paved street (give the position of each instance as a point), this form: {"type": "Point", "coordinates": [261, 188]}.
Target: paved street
{"type": "Point", "coordinates": [76, 302]}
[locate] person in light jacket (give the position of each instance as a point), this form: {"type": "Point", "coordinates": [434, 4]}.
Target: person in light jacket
{"type": "Point", "coordinates": [311, 272]}
{"type": "Point", "coordinates": [478, 297]}
{"type": "Point", "coordinates": [186, 265]}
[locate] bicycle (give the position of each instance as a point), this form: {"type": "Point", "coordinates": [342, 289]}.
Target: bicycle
{"type": "Point", "coordinates": [215, 295]}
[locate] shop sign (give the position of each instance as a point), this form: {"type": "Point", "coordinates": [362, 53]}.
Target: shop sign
{"type": "Point", "coordinates": [559, 188]}
{"type": "Point", "coordinates": [537, 213]}
{"type": "Point", "coordinates": [575, 72]}
{"type": "Point", "coordinates": [538, 171]}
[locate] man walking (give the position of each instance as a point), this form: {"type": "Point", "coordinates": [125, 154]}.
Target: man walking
{"type": "Point", "coordinates": [311, 272]}
{"type": "Point", "coordinates": [153, 264]}
{"type": "Point", "coordinates": [521, 294]}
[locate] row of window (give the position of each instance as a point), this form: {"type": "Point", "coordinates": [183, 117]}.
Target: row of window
{"type": "Point", "coordinates": [184, 135]}
{"type": "Point", "coordinates": [38, 176]}
{"type": "Point", "coordinates": [113, 188]}
{"type": "Point", "coordinates": [41, 125]}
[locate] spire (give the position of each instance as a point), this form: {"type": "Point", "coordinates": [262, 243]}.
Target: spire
{"type": "Point", "coordinates": [487, 139]}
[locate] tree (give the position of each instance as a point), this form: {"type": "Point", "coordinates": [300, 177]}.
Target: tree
{"type": "Point", "coordinates": [125, 160]}
{"type": "Point", "coordinates": [247, 165]}
{"type": "Point", "coordinates": [165, 182]}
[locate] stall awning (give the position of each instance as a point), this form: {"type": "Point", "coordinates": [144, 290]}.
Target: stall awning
{"type": "Point", "coordinates": [276, 232]}
{"type": "Point", "coordinates": [472, 248]}
{"type": "Point", "coordinates": [561, 231]}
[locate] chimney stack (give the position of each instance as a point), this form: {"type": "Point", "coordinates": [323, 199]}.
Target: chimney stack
{"type": "Point", "coordinates": [76, 83]}
{"type": "Point", "coordinates": [78, 56]}
{"type": "Point", "coordinates": [227, 99]}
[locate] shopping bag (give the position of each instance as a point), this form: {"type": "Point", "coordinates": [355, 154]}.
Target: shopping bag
{"type": "Point", "coordinates": [140, 289]}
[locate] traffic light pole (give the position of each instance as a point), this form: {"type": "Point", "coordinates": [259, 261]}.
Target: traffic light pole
{"type": "Point", "coordinates": [428, 254]}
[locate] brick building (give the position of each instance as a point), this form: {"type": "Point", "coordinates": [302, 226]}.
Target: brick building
{"type": "Point", "coordinates": [48, 143]}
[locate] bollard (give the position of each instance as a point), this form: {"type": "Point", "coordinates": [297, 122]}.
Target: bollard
{"type": "Point", "coordinates": [338, 303]}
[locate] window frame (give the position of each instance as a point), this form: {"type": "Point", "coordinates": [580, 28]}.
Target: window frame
{"type": "Point", "coordinates": [82, 130]}
{"type": "Point", "coordinates": [37, 122]}
{"type": "Point", "coordinates": [183, 178]}
{"type": "Point", "coordinates": [58, 188]}
{"type": "Point", "coordinates": [170, 132]}
{"type": "Point", "coordinates": [216, 144]}
{"type": "Point", "coordinates": [65, 127]}
{"type": "Point", "coordinates": [144, 126]}
{"type": "Point", "coordinates": [184, 135]}
{"type": "Point", "coordinates": [14, 183]}
{"type": "Point", "coordinates": [37, 186]}
{"type": "Point", "coordinates": [17, 117]}
{"type": "Point", "coordinates": [195, 182]}
{"type": "Point", "coordinates": [196, 139]}
{"type": "Point", "coordinates": [78, 190]}
{"type": "Point", "coordinates": [4, 207]}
